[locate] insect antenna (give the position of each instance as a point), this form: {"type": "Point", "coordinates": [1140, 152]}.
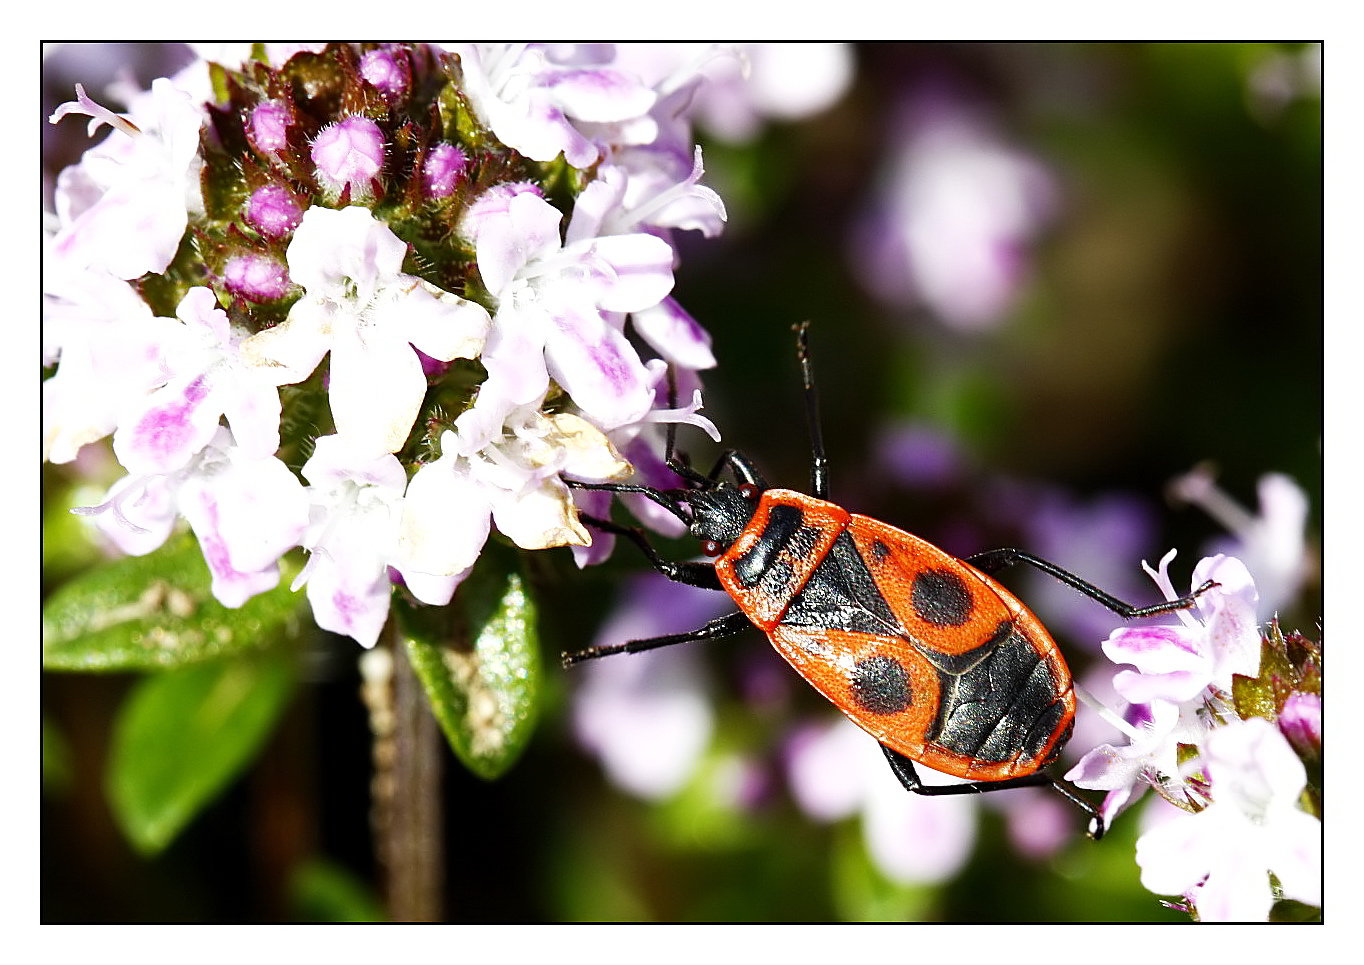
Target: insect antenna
{"type": "Point", "coordinates": [819, 462]}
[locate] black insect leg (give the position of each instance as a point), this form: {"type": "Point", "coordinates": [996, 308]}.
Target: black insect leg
{"type": "Point", "coordinates": [691, 573]}
{"type": "Point", "coordinates": [725, 626]}
{"type": "Point", "coordinates": [903, 768]}
{"type": "Point", "coordinates": [700, 575]}
{"type": "Point", "coordinates": [995, 560]}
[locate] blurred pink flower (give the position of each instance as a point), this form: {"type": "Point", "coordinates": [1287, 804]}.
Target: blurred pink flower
{"type": "Point", "coordinates": [836, 770]}
{"type": "Point", "coordinates": [952, 218]}
{"type": "Point", "coordinates": [646, 716]}
{"type": "Point", "coordinates": [1272, 542]}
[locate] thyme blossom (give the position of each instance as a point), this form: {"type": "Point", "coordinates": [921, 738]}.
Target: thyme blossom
{"type": "Point", "coordinates": [401, 273]}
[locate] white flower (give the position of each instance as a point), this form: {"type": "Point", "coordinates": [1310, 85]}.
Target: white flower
{"type": "Point", "coordinates": [352, 536]}
{"type": "Point", "coordinates": [245, 510]}
{"type": "Point", "coordinates": [1180, 670]}
{"type": "Point", "coordinates": [674, 335]}
{"type": "Point", "coordinates": [1221, 857]}
{"type": "Point", "coordinates": [1149, 759]}
{"type": "Point", "coordinates": [125, 206]}
{"type": "Point", "coordinates": [509, 472]}
{"type": "Point", "coordinates": [732, 88]}
{"type": "Point", "coordinates": [206, 378]}
{"type": "Point", "coordinates": [1219, 637]}
{"type": "Point", "coordinates": [109, 350]}
{"type": "Point", "coordinates": [641, 443]}
{"type": "Point", "coordinates": [561, 307]}
{"type": "Point", "coordinates": [359, 306]}
{"type": "Point", "coordinates": [532, 103]}
{"type": "Point", "coordinates": [626, 196]}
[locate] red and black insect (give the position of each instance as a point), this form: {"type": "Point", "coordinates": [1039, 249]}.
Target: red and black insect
{"type": "Point", "coordinates": [924, 651]}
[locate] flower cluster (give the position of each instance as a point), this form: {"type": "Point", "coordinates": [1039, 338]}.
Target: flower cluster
{"type": "Point", "coordinates": [372, 300]}
{"type": "Point", "coordinates": [1225, 724]}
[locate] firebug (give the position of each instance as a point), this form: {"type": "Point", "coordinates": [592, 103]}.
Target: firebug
{"type": "Point", "coordinates": [925, 652]}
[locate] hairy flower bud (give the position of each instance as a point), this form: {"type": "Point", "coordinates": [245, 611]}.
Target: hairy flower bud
{"type": "Point", "coordinates": [256, 276]}
{"type": "Point", "coordinates": [349, 154]}
{"type": "Point", "coordinates": [387, 72]}
{"type": "Point", "coordinates": [273, 211]}
{"type": "Point", "coordinates": [1300, 722]}
{"type": "Point", "coordinates": [268, 127]}
{"type": "Point", "coordinates": [444, 168]}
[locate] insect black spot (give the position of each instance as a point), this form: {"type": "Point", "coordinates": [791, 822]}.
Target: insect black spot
{"type": "Point", "coordinates": [940, 597]}
{"type": "Point", "coordinates": [879, 549]}
{"type": "Point", "coordinates": [880, 685]}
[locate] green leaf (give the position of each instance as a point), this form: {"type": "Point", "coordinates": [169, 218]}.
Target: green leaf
{"type": "Point", "coordinates": [484, 695]}
{"type": "Point", "coordinates": [182, 736]}
{"type": "Point", "coordinates": [157, 611]}
{"type": "Point", "coordinates": [323, 891]}
{"type": "Point", "coordinates": [68, 541]}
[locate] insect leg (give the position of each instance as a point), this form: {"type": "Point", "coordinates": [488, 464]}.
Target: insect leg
{"type": "Point", "coordinates": [903, 769]}
{"type": "Point", "coordinates": [700, 575]}
{"type": "Point", "coordinates": [693, 574]}
{"type": "Point", "coordinates": [993, 561]}
{"type": "Point", "coordinates": [725, 626]}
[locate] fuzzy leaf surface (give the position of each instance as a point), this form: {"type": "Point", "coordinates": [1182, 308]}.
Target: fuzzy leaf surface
{"type": "Point", "coordinates": [156, 612]}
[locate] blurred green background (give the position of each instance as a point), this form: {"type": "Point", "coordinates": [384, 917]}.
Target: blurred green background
{"type": "Point", "coordinates": [1167, 312]}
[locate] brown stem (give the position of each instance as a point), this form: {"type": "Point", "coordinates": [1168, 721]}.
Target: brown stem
{"type": "Point", "coordinates": [407, 787]}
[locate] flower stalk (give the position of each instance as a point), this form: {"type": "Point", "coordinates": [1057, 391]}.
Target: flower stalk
{"type": "Point", "coordinates": [411, 841]}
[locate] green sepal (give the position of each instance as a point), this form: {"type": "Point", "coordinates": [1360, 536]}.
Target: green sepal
{"type": "Point", "coordinates": [157, 612]}
{"type": "Point", "coordinates": [182, 736]}
{"type": "Point", "coordinates": [1287, 911]}
{"type": "Point", "coordinates": [479, 660]}
{"type": "Point", "coordinates": [1288, 664]}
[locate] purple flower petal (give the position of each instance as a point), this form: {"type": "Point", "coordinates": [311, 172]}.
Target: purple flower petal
{"type": "Point", "coordinates": [599, 368]}
{"type": "Point", "coordinates": [173, 424]}
{"type": "Point", "coordinates": [341, 604]}
{"type": "Point", "coordinates": [1160, 649]}
{"type": "Point", "coordinates": [602, 95]}
{"type": "Point", "coordinates": [642, 267]}
{"type": "Point", "coordinates": [675, 335]}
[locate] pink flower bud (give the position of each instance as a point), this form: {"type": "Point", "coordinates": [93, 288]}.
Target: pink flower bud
{"type": "Point", "coordinates": [386, 72]}
{"type": "Point", "coordinates": [268, 127]}
{"type": "Point", "coordinates": [444, 168]}
{"type": "Point", "coordinates": [273, 211]}
{"type": "Point", "coordinates": [256, 277]}
{"type": "Point", "coordinates": [349, 153]}
{"type": "Point", "coordinates": [1300, 722]}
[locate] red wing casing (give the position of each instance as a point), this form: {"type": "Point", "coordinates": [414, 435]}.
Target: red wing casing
{"type": "Point", "coordinates": [930, 656]}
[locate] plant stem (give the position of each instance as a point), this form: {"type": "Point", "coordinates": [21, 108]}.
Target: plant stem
{"type": "Point", "coordinates": [407, 795]}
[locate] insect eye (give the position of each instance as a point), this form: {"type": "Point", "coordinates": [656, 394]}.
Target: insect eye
{"type": "Point", "coordinates": [710, 547]}
{"type": "Point", "coordinates": [748, 490]}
